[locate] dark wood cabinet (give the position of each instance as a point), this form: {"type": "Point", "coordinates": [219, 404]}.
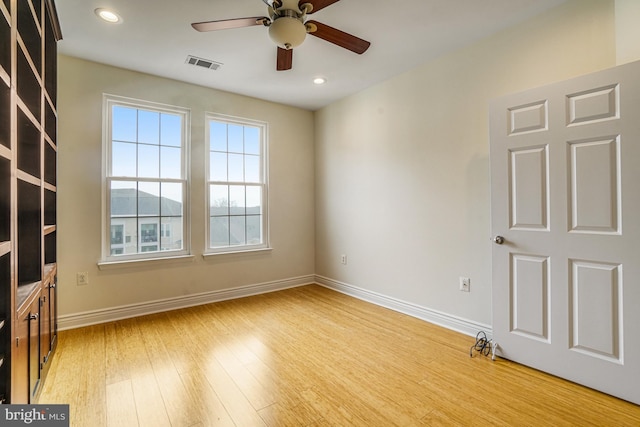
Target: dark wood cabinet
{"type": "Point", "coordinates": [29, 31]}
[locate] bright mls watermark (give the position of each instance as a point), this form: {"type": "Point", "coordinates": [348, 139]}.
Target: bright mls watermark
{"type": "Point", "coordinates": [34, 415]}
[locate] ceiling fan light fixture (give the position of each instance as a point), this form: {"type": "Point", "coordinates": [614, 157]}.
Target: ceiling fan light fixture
{"type": "Point", "coordinates": [287, 32]}
{"type": "Point", "coordinates": [108, 15]}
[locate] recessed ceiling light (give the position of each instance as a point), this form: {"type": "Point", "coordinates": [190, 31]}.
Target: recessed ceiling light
{"type": "Point", "coordinates": [319, 80]}
{"type": "Point", "coordinates": [108, 15]}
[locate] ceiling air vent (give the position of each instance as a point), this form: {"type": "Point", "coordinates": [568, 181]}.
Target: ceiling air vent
{"type": "Point", "coordinates": [201, 62]}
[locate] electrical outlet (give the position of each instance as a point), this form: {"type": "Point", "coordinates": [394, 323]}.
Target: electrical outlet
{"type": "Point", "coordinates": [343, 259]}
{"type": "Point", "coordinates": [465, 284]}
{"type": "Point", "coordinates": [82, 278]}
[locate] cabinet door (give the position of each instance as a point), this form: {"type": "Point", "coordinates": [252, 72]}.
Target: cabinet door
{"type": "Point", "coordinates": [34, 348]}
{"type": "Point", "coordinates": [20, 361]}
{"type": "Point", "coordinates": [26, 358]}
{"type": "Point", "coordinates": [45, 322]}
{"type": "Point", "coordinates": [53, 312]}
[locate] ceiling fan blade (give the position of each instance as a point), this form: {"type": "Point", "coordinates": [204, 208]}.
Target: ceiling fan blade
{"type": "Point", "coordinates": [285, 59]}
{"type": "Point", "coordinates": [338, 37]}
{"type": "Point", "coordinates": [317, 4]}
{"type": "Point", "coordinates": [226, 24]}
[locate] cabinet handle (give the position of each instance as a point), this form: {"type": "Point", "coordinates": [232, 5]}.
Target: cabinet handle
{"type": "Point", "coordinates": [33, 316]}
{"type": "Point", "coordinates": [52, 286]}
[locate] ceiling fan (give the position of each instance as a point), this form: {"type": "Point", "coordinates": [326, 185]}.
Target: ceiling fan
{"type": "Point", "coordinates": [288, 27]}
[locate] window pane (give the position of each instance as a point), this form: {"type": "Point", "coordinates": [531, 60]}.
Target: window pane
{"type": "Point", "coordinates": [124, 198]}
{"type": "Point", "coordinates": [236, 172]}
{"type": "Point", "coordinates": [237, 228]}
{"type": "Point", "coordinates": [130, 233]}
{"type": "Point", "coordinates": [254, 229]}
{"type": "Point", "coordinates": [218, 136]}
{"type": "Point", "coordinates": [254, 200]}
{"type": "Point", "coordinates": [123, 159]}
{"type": "Point", "coordinates": [171, 200]}
{"type": "Point", "coordinates": [148, 127]}
{"type": "Point", "coordinates": [236, 200]}
{"type": "Point", "coordinates": [251, 140]}
{"type": "Point", "coordinates": [123, 124]}
{"type": "Point", "coordinates": [147, 147]}
{"type": "Point", "coordinates": [236, 138]}
{"type": "Point", "coordinates": [149, 198]}
{"type": "Point", "coordinates": [219, 230]}
{"type": "Point", "coordinates": [117, 234]}
{"type": "Point", "coordinates": [170, 130]}
{"type": "Point", "coordinates": [170, 163]}
{"type": "Point", "coordinates": [171, 234]}
{"type": "Point", "coordinates": [252, 169]}
{"type": "Point", "coordinates": [236, 179]}
{"type": "Point", "coordinates": [218, 166]}
{"type": "Point", "coordinates": [148, 161]}
{"type": "Point", "coordinates": [148, 232]}
{"type": "Point", "coordinates": [219, 200]}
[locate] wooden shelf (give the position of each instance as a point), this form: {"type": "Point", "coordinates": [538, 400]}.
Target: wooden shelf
{"type": "Point", "coordinates": [49, 269]}
{"type": "Point", "coordinates": [23, 176]}
{"type": "Point", "coordinates": [5, 248]}
{"type": "Point", "coordinates": [25, 291]}
{"type": "Point", "coordinates": [5, 152]}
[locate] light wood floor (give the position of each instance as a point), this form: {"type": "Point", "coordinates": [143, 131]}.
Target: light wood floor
{"type": "Point", "coordinates": [304, 357]}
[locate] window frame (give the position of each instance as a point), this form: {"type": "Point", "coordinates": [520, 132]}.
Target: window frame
{"type": "Point", "coordinates": [264, 184]}
{"type": "Point", "coordinates": [109, 101]}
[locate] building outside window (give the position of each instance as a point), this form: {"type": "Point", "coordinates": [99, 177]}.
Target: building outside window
{"type": "Point", "coordinates": [237, 184]}
{"type": "Point", "coordinates": [146, 178]}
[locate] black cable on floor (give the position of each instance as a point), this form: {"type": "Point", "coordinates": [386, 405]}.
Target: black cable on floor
{"type": "Point", "coordinates": [482, 345]}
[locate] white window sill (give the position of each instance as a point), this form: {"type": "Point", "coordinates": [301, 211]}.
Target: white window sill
{"type": "Point", "coordinates": [144, 262]}
{"type": "Point", "coordinates": [239, 253]}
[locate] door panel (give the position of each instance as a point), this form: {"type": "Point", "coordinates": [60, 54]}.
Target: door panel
{"type": "Point", "coordinates": [530, 296]}
{"type": "Point", "coordinates": [594, 175]}
{"type": "Point", "coordinates": [595, 308]}
{"type": "Point", "coordinates": [528, 195]}
{"type": "Point", "coordinates": [565, 170]}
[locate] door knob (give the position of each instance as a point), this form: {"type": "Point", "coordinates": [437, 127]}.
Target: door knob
{"type": "Point", "coordinates": [499, 240]}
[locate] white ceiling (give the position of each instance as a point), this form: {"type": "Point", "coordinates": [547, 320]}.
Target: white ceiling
{"type": "Point", "coordinates": [155, 37]}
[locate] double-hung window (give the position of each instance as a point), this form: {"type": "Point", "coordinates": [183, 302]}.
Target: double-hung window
{"type": "Point", "coordinates": [145, 179]}
{"type": "Point", "coordinates": [237, 184]}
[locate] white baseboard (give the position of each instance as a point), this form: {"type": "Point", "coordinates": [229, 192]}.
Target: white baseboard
{"type": "Point", "coordinates": [87, 318]}
{"type": "Point", "coordinates": [445, 320]}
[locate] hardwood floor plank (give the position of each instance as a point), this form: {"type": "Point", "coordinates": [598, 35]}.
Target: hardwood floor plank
{"type": "Point", "coordinates": [206, 403]}
{"type": "Point", "coordinates": [306, 356]}
{"type": "Point", "coordinates": [121, 407]}
{"type": "Point", "coordinates": [278, 415]}
{"type": "Point", "coordinates": [175, 396]}
{"type": "Point", "coordinates": [149, 403]}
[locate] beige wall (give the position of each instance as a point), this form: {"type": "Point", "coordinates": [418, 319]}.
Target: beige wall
{"type": "Point", "coordinates": [402, 169]}
{"type": "Point", "coordinates": [401, 179]}
{"type": "Point", "coordinates": [81, 85]}
{"type": "Point", "coordinates": [627, 31]}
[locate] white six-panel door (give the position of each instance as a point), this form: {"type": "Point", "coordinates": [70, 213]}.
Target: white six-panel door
{"type": "Point", "coordinates": [565, 197]}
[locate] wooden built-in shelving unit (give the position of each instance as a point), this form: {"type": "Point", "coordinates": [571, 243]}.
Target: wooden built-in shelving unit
{"type": "Point", "coordinates": [29, 31]}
